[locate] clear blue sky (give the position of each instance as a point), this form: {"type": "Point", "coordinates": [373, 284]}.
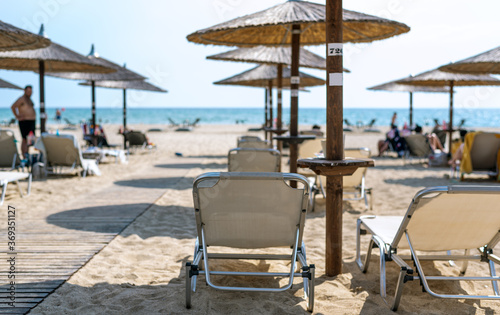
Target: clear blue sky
{"type": "Point", "coordinates": [150, 36]}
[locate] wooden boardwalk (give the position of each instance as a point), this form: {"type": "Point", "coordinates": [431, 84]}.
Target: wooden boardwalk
{"type": "Point", "coordinates": [51, 249]}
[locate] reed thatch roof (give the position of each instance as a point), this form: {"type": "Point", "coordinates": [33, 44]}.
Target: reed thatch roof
{"type": "Point", "coordinates": [120, 73]}
{"type": "Point", "coordinates": [395, 87]}
{"type": "Point", "coordinates": [272, 55]}
{"type": "Point", "coordinates": [272, 27]}
{"type": "Point", "coordinates": [13, 38]}
{"type": "Point", "coordinates": [261, 75]}
{"type": "Point", "coordinates": [7, 85]}
{"type": "Point", "coordinates": [441, 78]}
{"type": "Point", "coordinates": [484, 63]}
{"type": "Point", "coordinates": [127, 85]}
{"type": "Point", "coordinates": [56, 58]}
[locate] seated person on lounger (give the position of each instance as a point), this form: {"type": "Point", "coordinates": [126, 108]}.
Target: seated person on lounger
{"type": "Point", "coordinates": [393, 140]}
{"type": "Point", "coordinates": [432, 139]}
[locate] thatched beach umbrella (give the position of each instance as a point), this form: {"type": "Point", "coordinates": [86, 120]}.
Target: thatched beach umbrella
{"type": "Point", "coordinates": [299, 22]}
{"type": "Point", "coordinates": [484, 63]}
{"type": "Point", "coordinates": [279, 56]}
{"type": "Point", "coordinates": [54, 58]}
{"type": "Point", "coordinates": [261, 75]}
{"type": "Point", "coordinates": [267, 76]}
{"type": "Point", "coordinates": [395, 87]}
{"type": "Point", "coordinates": [439, 78]}
{"type": "Point", "coordinates": [120, 73]}
{"type": "Point", "coordinates": [126, 85]}
{"type": "Point", "coordinates": [7, 85]}
{"type": "Point", "coordinates": [13, 38]}
{"type": "Point", "coordinates": [295, 23]}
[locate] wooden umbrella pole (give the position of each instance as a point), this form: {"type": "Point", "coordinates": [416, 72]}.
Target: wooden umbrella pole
{"type": "Point", "coordinates": [411, 109]}
{"type": "Point", "coordinates": [280, 102]}
{"type": "Point", "coordinates": [450, 124]}
{"type": "Point", "coordinates": [124, 118]}
{"type": "Point", "coordinates": [43, 115]}
{"type": "Point", "coordinates": [270, 89]}
{"type": "Point", "coordinates": [334, 136]}
{"type": "Point", "coordinates": [294, 99]}
{"type": "Point", "coordinates": [266, 114]}
{"type": "Point", "coordinates": [93, 107]}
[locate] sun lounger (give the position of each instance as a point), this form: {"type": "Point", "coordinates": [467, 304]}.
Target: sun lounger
{"type": "Point", "coordinates": [9, 177]}
{"type": "Point", "coordinates": [417, 147]}
{"type": "Point", "coordinates": [137, 140]}
{"type": "Point", "coordinates": [310, 149]}
{"type": "Point", "coordinates": [63, 151]}
{"type": "Point", "coordinates": [253, 142]}
{"type": "Point", "coordinates": [354, 186]}
{"type": "Point", "coordinates": [439, 219]}
{"type": "Point", "coordinates": [370, 128]}
{"type": "Point", "coordinates": [480, 154]}
{"type": "Point", "coordinates": [242, 211]}
{"type": "Point", "coordinates": [10, 158]}
{"type": "Point", "coordinates": [253, 160]}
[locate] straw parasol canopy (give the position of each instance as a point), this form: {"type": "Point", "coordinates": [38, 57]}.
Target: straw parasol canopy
{"type": "Point", "coordinates": [13, 38]}
{"type": "Point", "coordinates": [261, 75]}
{"type": "Point", "coordinates": [120, 73]}
{"type": "Point", "coordinates": [437, 78]}
{"type": "Point", "coordinates": [395, 87]}
{"type": "Point", "coordinates": [7, 85]}
{"type": "Point", "coordinates": [273, 56]}
{"type": "Point", "coordinates": [52, 58]}
{"type": "Point", "coordinates": [127, 85]}
{"type": "Point", "coordinates": [484, 63]}
{"type": "Point", "coordinates": [272, 27]}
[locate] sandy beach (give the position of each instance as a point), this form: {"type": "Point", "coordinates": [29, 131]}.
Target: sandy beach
{"type": "Point", "coordinates": [140, 270]}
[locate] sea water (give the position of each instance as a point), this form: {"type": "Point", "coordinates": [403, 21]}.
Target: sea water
{"type": "Point", "coordinates": [477, 117]}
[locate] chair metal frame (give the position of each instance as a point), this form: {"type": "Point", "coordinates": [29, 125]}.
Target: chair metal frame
{"type": "Point", "coordinates": [389, 252]}
{"type": "Point", "coordinates": [298, 254]}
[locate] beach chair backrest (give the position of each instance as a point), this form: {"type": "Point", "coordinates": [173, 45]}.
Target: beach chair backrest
{"type": "Point", "coordinates": [418, 146]}
{"type": "Point", "coordinates": [310, 148]}
{"type": "Point", "coordinates": [254, 144]}
{"type": "Point", "coordinates": [454, 217]}
{"type": "Point", "coordinates": [62, 150]}
{"type": "Point", "coordinates": [136, 138]}
{"type": "Point", "coordinates": [247, 138]}
{"type": "Point", "coordinates": [253, 160]}
{"type": "Point", "coordinates": [484, 151]}
{"type": "Point", "coordinates": [356, 178]}
{"type": "Point", "coordinates": [9, 154]}
{"type": "Point", "coordinates": [250, 210]}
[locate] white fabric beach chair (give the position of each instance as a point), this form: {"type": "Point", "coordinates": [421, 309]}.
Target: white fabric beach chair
{"type": "Point", "coordinates": [439, 219]}
{"type": "Point", "coordinates": [253, 142]}
{"type": "Point", "coordinates": [63, 151]}
{"type": "Point", "coordinates": [354, 186]}
{"type": "Point", "coordinates": [253, 160]}
{"type": "Point", "coordinates": [483, 154]}
{"type": "Point", "coordinates": [9, 177]}
{"type": "Point", "coordinates": [250, 211]}
{"type": "Point", "coordinates": [310, 149]}
{"type": "Point", "coordinates": [10, 158]}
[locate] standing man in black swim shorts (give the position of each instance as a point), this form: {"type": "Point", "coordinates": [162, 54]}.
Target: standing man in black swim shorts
{"type": "Point", "coordinates": [25, 113]}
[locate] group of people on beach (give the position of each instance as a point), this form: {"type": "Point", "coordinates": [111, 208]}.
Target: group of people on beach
{"type": "Point", "coordinates": [395, 140]}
